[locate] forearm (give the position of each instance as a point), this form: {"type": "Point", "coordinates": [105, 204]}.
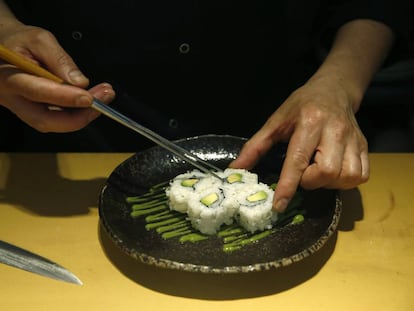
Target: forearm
{"type": "Point", "coordinates": [358, 51]}
{"type": "Point", "coordinates": [6, 15]}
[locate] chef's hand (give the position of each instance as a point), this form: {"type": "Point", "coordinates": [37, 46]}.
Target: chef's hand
{"type": "Point", "coordinates": [31, 97]}
{"type": "Point", "coordinates": [326, 146]}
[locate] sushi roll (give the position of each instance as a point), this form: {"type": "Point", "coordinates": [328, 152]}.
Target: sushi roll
{"type": "Point", "coordinates": [234, 178]}
{"type": "Point", "coordinates": [206, 211]}
{"type": "Point", "coordinates": [184, 185]}
{"type": "Point", "coordinates": [239, 175]}
{"type": "Point", "coordinates": [211, 202]}
{"type": "Point", "coordinates": [255, 211]}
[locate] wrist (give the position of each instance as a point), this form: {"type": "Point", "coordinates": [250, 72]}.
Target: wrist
{"type": "Point", "coordinates": [7, 19]}
{"type": "Point", "coordinates": [330, 77]}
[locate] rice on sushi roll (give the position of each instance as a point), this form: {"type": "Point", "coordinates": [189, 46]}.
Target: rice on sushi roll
{"type": "Point", "coordinates": [255, 211]}
{"type": "Point", "coordinates": [234, 180]}
{"type": "Point", "coordinates": [206, 211]}
{"type": "Point", "coordinates": [184, 185]}
{"type": "Point", "coordinates": [211, 202]}
{"type": "Point", "coordinates": [238, 176]}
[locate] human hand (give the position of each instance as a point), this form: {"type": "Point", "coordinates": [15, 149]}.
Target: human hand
{"type": "Point", "coordinates": [31, 97]}
{"type": "Point", "coordinates": [326, 146]}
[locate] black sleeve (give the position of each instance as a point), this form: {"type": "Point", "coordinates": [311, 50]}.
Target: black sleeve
{"type": "Point", "coordinates": [396, 14]}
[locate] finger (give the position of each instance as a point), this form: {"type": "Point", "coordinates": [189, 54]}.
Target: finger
{"type": "Point", "coordinates": [43, 119]}
{"type": "Point", "coordinates": [255, 148]}
{"type": "Point", "coordinates": [52, 56]}
{"type": "Point", "coordinates": [323, 172]}
{"type": "Point", "coordinates": [327, 163]}
{"type": "Point", "coordinates": [298, 156]}
{"type": "Point", "coordinates": [105, 93]}
{"type": "Point", "coordinates": [251, 152]}
{"type": "Point", "coordinates": [38, 89]}
{"type": "Point", "coordinates": [365, 165]}
{"type": "Point", "coordinates": [355, 170]}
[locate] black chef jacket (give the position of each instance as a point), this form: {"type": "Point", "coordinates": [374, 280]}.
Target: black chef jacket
{"type": "Point", "coordinates": [186, 68]}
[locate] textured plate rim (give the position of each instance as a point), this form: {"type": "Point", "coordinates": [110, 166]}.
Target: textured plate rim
{"type": "Point", "coordinates": [260, 266]}
{"type": "Point", "coordinates": [282, 262]}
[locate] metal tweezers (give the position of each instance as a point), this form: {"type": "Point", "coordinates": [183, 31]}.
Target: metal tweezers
{"type": "Point", "coordinates": [180, 152]}
{"type": "Point", "coordinates": [21, 62]}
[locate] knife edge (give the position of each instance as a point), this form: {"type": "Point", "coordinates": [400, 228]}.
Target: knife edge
{"type": "Point", "coordinates": [18, 257]}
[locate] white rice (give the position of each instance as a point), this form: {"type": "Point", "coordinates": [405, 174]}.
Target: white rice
{"type": "Point", "coordinates": [209, 219]}
{"type": "Point", "coordinates": [258, 215]}
{"type": "Point", "coordinates": [231, 204]}
{"type": "Point", "coordinates": [180, 195]}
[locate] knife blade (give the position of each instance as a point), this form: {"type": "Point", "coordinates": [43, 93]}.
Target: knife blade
{"type": "Point", "coordinates": [18, 257]}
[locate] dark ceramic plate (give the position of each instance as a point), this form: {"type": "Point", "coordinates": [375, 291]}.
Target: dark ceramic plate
{"type": "Point", "coordinates": [285, 245]}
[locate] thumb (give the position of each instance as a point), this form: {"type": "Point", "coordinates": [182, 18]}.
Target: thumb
{"type": "Point", "coordinates": [68, 70]}
{"type": "Point", "coordinates": [76, 77]}
{"type": "Point", "coordinates": [58, 61]}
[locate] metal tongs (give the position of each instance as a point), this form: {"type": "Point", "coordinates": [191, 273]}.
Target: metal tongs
{"type": "Point", "coordinates": [19, 61]}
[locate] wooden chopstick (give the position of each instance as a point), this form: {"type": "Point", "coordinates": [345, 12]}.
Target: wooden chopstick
{"type": "Point", "coordinates": [28, 66]}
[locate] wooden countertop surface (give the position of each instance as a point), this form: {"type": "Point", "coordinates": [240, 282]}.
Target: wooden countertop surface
{"type": "Point", "coordinates": [48, 204]}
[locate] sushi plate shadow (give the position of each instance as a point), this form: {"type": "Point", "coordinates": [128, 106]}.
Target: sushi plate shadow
{"type": "Point", "coordinates": [280, 249]}
{"type": "Point", "coordinates": [216, 287]}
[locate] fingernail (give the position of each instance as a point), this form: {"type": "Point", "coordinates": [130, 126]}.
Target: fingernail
{"type": "Point", "coordinates": [83, 101]}
{"type": "Point", "coordinates": [108, 94]}
{"type": "Point", "coordinates": [281, 205]}
{"type": "Point", "coordinates": [76, 76]}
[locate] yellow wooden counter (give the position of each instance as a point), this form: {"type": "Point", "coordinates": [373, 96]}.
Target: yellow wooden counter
{"type": "Point", "coordinates": [48, 204]}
